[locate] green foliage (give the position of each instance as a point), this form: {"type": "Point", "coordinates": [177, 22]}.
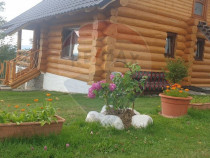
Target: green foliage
{"type": "Point", "coordinates": [44, 114]}
{"type": "Point", "coordinates": [127, 87]}
{"type": "Point", "coordinates": [177, 70]}
{"type": "Point", "coordinates": [122, 91]}
{"type": "Point", "coordinates": [201, 99]}
{"type": "Point", "coordinates": [7, 52]}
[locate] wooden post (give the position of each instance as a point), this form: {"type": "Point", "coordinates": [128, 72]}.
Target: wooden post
{"type": "Point", "coordinates": [13, 71]}
{"type": "Point", "coordinates": [19, 40]}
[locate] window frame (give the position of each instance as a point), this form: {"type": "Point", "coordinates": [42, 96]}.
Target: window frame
{"type": "Point", "coordinates": [205, 4]}
{"type": "Point", "coordinates": [173, 36]}
{"type": "Point", "coordinates": [71, 55]}
{"type": "Point", "coordinates": [201, 50]}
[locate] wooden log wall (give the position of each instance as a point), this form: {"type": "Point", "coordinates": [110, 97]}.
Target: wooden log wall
{"type": "Point", "coordinates": [140, 29]}
{"type": "Point", "coordinates": [87, 68]}
{"type": "Point", "coordinates": [201, 69]}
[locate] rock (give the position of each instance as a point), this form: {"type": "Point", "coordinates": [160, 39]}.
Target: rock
{"type": "Point", "coordinates": [103, 110]}
{"type": "Point", "coordinates": [135, 112]}
{"type": "Point", "coordinates": [112, 121]}
{"type": "Point", "coordinates": [141, 121]}
{"type": "Point", "coordinates": [94, 116]}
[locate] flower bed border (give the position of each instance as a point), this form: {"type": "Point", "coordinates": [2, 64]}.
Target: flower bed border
{"type": "Point", "coordinates": [200, 106]}
{"type": "Point", "coordinates": [29, 129]}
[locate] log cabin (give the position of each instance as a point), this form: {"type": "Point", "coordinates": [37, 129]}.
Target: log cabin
{"type": "Point", "coordinates": [76, 42]}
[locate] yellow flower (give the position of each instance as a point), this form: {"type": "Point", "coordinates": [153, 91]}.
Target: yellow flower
{"type": "Point", "coordinates": [48, 94]}
{"type": "Point", "coordinates": [36, 100]}
{"type": "Point", "coordinates": [16, 106]}
{"type": "Point", "coordinates": [167, 86]}
{"type": "Point", "coordinates": [22, 110]}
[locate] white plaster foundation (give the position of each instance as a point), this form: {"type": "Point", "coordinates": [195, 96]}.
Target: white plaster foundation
{"type": "Point", "coordinates": [54, 82]}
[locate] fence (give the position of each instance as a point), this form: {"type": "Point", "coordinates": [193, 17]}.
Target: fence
{"type": "Point", "coordinates": [2, 71]}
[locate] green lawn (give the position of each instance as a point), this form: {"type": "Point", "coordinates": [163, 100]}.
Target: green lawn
{"type": "Point", "coordinates": [186, 137]}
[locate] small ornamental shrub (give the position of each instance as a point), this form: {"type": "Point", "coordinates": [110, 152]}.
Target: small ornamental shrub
{"type": "Point", "coordinates": [122, 91]}
{"type": "Point", "coordinates": [177, 70]}
{"type": "Point", "coordinates": [43, 114]}
{"type": "Point", "coordinates": [176, 91]}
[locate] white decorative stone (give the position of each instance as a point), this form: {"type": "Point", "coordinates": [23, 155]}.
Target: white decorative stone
{"type": "Point", "coordinates": [141, 121]}
{"type": "Point", "coordinates": [103, 110]}
{"type": "Point", "coordinates": [112, 121]}
{"type": "Point", "coordinates": [94, 116]}
{"type": "Point", "coordinates": [138, 121]}
{"type": "Point", "coordinates": [135, 112]}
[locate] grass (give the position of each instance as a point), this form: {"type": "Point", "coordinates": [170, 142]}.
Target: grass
{"type": "Point", "coordinates": [201, 99]}
{"type": "Point", "coordinates": [186, 137]}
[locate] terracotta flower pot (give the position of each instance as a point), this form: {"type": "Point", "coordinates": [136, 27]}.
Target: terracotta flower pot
{"type": "Point", "coordinates": [173, 107]}
{"type": "Point", "coordinates": [29, 129]}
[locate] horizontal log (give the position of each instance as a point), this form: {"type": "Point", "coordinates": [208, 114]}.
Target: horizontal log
{"type": "Point", "coordinates": [200, 68]}
{"type": "Point", "coordinates": [138, 14]}
{"type": "Point", "coordinates": [200, 81]}
{"type": "Point", "coordinates": [148, 24]}
{"type": "Point", "coordinates": [79, 63]}
{"type": "Point", "coordinates": [68, 68]}
{"type": "Point", "coordinates": [138, 55]}
{"type": "Point", "coordinates": [72, 75]}
{"type": "Point", "coordinates": [200, 75]}
{"type": "Point", "coordinates": [140, 48]}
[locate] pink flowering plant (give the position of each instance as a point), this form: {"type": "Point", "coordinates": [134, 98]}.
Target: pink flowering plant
{"type": "Point", "coordinates": [122, 90]}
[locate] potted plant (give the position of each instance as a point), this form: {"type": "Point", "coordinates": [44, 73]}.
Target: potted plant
{"type": "Point", "coordinates": [120, 93]}
{"type": "Point", "coordinates": [27, 121]}
{"type": "Point", "coordinates": [175, 100]}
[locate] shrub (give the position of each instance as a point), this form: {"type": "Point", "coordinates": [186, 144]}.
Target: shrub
{"type": "Point", "coordinates": [123, 89]}
{"type": "Point", "coordinates": [177, 70]}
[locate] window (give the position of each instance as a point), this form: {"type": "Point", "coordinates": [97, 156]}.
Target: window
{"type": "Point", "coordinates": [170, 45]}
{"type": "Point", "coordinates": [200, 49]}
{"type": "Point", "coordinates": [70, 43]}
{"type": "Point", "coordinates": [200, 8]}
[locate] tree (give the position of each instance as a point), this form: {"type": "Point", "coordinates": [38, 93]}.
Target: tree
{"type": "Point", "coordinates": [7, 51]}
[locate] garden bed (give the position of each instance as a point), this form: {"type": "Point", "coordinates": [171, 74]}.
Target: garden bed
{"type": "Point", "coordinates": [29, 129]}
{"type": "Point", "coordinates": [200, 106]}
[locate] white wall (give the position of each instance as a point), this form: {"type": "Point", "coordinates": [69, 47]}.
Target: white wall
{"type": "Point", "coordinates": [54, 82]}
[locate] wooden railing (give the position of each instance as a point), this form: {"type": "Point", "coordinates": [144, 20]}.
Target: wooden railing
{"type": "Point", "coordinates": [2, 71]}
{"type": "Point", "coordinates": [21, 65]}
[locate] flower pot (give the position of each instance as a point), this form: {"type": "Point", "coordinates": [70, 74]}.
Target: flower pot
{"type": "Point", "coordinates": [173, 107]}
{"type": "Point", "coordinates": [29, 129]}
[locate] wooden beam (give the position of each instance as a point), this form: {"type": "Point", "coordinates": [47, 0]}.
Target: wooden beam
{"type": "Point", "coordinates": [19, 40]}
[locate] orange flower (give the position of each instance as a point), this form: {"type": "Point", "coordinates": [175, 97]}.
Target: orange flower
{"type": "Point", "coordinates": [173, 88]}
{"type": "Point", "coordinates": [36, 100]}
{"type": "Point", "coordinates": [50, 99]}
{"type": "Point", "coordinates": [41, 108]}
{"type": "Point", "coordinates": [187, 90]}
{"type": "Point", "coordinates": [22, 110]}
{"type": "Point", "coordinates": [9, 105]}
{"type": "Point", "coordinates": [180, 91]}
{"type": "Point", "coordinates": [179, 86]}
{"type": "Point", "coordinates": [28, 104]}
{"type": "Point", "coordinates": [167, 86]}
{"type": "Point", "coordinates": [48, 94]}
{"type": "Point", "coordinates": [16, 106]}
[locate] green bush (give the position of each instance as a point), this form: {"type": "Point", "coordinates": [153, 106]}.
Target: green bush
{"type": "Point", "coordinates": [177, 70]}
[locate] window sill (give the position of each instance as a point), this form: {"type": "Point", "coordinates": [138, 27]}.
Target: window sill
{"type": "Point", "coordinates": [68, 58]}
